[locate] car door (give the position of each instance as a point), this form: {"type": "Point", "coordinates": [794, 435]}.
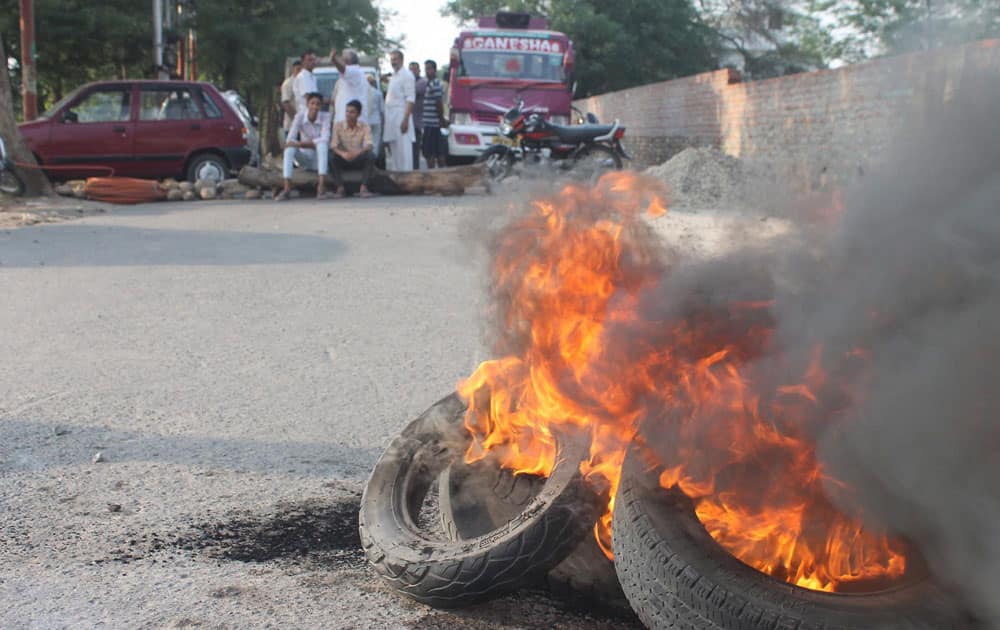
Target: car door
{"type": "Point", "coordinates": [169, 128]}
{"type": "Point", "coordinates": [95, 129]}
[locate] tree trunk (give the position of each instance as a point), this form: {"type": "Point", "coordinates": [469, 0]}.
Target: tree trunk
{"type": "Point", "coordinates": [449, 181]}
{"type": "Point", "coordinates": [35, 182]}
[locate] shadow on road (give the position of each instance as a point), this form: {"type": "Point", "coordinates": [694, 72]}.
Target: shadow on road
{"type": "Point", "coordinates": [75, 244]}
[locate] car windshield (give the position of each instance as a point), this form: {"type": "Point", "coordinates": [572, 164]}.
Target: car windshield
{"type": "Point", "coordinates": [490, 64]}
{"type": "Point", "coordinates": [326, 79]}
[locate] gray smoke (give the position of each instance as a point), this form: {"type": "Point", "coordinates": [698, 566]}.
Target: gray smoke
{"type": "Point", "coordinates": [913, 275]}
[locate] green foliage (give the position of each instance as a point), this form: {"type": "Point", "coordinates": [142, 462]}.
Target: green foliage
{"type": "Point", "coordinates": [619, 44]}
{"type": "Point", "coordinates": [899, 26]}
{"type": "Point", "coordinates": [241, 44]}
{"type": "Point", "coordinates": [81, 40]}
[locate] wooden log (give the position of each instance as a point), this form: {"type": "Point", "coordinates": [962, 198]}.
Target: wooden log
{"type": "Point", "coordinates": [449, 181]}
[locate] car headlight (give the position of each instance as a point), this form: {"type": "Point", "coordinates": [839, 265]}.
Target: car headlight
{"type": "Point", "coordinates": [461, 118]}
{"type": "Point", "coordinates": [559, 120]}
{"type": "Point", "coordinates": [505, 129]}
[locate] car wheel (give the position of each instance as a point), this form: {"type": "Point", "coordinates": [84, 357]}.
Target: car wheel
{"type": "Point", "coordinates": [440, 570]}
{"type": "Point", "coordinates": [676, 576]}
{"type": "Point", "coordinates": [478, 498]}
{"type": "Point", "coordinates": [208, 167]}
{"type": "Point", "coordinates": [10, 183]}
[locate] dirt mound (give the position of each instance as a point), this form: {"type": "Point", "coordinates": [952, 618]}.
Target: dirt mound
{"type": "Point", "coordinates": [701, 177]}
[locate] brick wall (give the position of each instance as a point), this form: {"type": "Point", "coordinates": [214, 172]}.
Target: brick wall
{"type": "Point", "coordinates": [814, 128]}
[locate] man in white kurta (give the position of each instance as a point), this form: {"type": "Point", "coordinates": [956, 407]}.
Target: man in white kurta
{"type": "Point", "coordinates": [351, 86]}
{"type": "Point", "coordinates": [398, 134]}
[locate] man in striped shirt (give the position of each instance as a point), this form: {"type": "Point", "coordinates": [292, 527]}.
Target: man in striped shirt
{"type": "Point", "coordinates": [434, 145]}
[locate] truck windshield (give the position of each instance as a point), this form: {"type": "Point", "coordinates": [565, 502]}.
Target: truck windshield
{"type": "Point", "coordinates": [492, 64]}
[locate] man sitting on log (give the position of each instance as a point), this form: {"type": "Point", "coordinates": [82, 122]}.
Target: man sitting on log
{"type": "Point", "coordinates": [352, 149]}
{"type": "Point", "coordinates": [308, 143]}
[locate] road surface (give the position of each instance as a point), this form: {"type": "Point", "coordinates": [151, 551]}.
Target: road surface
{"type": "Point", "coordinates": [192, 396]}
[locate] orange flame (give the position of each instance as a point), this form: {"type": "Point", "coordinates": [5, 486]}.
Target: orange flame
{"type": "Point", "coordinates": [581, 348]}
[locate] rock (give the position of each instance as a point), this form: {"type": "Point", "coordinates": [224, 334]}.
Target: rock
{"type": "Point", "coordinates": [170, 182]}
{"type": "Point", "coordinates": [64, 189]}
{"type": "Point", "coordinates": [208, 193]}
{"type": "Point", "coordinates": [114, 507]}
{"type": "Point", "coordinates": [252, 194]}
{"type": "Point", "coordinates": [187, 195]}
{"type": "Point", "coordinates": [185, 186]}
{"type": "Point", "coordinates": [97, 458]}
{"type": "Point", "coordinates": [175, 194]}
{"type": "Point", "coordinates": [204, 184]}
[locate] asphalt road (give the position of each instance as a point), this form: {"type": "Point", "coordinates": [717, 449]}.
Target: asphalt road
{"type": "Point", "coordinates": [236, 369]}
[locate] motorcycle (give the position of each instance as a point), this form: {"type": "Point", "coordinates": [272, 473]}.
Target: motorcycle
{"type": "Point", "coordinates": [527, 137]}
{"type": "Point", "coordinates": [10, 182]}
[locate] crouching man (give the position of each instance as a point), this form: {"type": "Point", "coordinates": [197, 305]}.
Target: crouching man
{"type": "Point", "coordinates": [308, 143]}
{"type": "Point", "coordinates": [352, 149]}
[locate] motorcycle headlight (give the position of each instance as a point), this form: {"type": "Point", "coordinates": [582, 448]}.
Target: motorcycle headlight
{"type": "Point", "coordinates": [505, 128]}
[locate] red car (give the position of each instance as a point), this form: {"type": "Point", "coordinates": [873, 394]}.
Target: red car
{"type": "Point", "coordinates": [143, 129]}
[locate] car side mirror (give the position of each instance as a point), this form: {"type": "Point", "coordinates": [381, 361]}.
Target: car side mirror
{"type": "Point", "coordinates": [69, 116]}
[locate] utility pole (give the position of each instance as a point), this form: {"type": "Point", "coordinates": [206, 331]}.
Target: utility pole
{"type": "Point", "coordinates": [158, 39]}
{"type": "Point", "coordinates": [29, 87]}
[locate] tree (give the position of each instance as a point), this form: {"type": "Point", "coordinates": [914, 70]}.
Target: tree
{"type": "Point", "coordinates": [898, 26]}
{"type": "Point", "coordinates": [81, 40]}
{"type": "Point", "coordinates": [618, 45]}
{"type": "Point", "coordinates": [768, 38]}
{"type": "Point", "coordinates": [35, 181]}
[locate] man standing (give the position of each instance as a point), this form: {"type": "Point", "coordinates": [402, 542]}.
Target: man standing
{"type": "Point", "coordinates": [435, 146]}
{"type": "Point", "coordinates": [309, 143]}
{"type": "Point", "coordinates": [305, 81]}
{"type": "Point", "coordinates": [351, 86]}
{"type": "Point", "coordinates": [375, 109]}
{"type": "Point", "coordinates": [288, 99]}
{"type": "Point", "coordinates": [352, 148]}
{"type": "Point", "coordinates": [398, 135]}
{"type": "Point", "coordinates": [419, 86]}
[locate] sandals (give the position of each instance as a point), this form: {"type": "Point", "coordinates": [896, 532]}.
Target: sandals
{"type": "Point", "coordinates": [282, 196]}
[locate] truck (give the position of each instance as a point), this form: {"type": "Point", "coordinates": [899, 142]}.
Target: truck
{"type": "Point", "coordinates": [509, 56]}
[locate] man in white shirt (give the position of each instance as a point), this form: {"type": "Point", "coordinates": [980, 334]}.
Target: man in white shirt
{"type": "Point", "coordinates": [351, 86]}
{"type": "Point", "coordinates": [376, 109]}
{"type": "Point", "coordinates": [305, 81]}
{"type": "Point", "coordinates": [398, 134]}
{"type": "Point", "coordinates": [309, 143]}
{"type": "Point", "coordinates": [288, 99]}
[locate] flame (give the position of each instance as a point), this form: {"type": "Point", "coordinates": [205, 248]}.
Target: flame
{"type": "Point", "coordinates": [582, 348]}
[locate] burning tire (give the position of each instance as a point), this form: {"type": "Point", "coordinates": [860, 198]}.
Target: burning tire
{"type": "Point", "coordinates": [676, 576]}
{"type": "Point", "coordinates": [477, 498]}
{"type": "Point", "coordinates": [450, 573]}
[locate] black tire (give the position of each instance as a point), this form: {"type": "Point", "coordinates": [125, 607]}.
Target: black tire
{"type": "Point", "coordinates": [11, 183]}
{"type": "Point", "coordinates": [676, 576]}
{"type": "Point", "coordinates": [499, 161]}
{"type": "Point", "coordinates": [477, 498]}
{"type": "Point", "coordinates": [593, 160]}
{"type": "Point", "coordinates": [448, 573]}
{"type": "Point", "coordinates": [207, 166]}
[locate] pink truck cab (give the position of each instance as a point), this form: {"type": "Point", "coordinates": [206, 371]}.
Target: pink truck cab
{"type": "Point", "coordinates": [509, 56]}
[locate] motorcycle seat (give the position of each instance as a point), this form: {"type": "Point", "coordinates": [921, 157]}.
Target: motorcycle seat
{"type": "Point", "coordinates": [580, 133]}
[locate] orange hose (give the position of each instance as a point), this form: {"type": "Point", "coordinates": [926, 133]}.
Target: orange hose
{"type": "Point", "coordinates": [124, 190]}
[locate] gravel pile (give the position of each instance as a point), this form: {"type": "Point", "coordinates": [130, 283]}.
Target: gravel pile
{"type": "Point", "coordinates": [701, 177]}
